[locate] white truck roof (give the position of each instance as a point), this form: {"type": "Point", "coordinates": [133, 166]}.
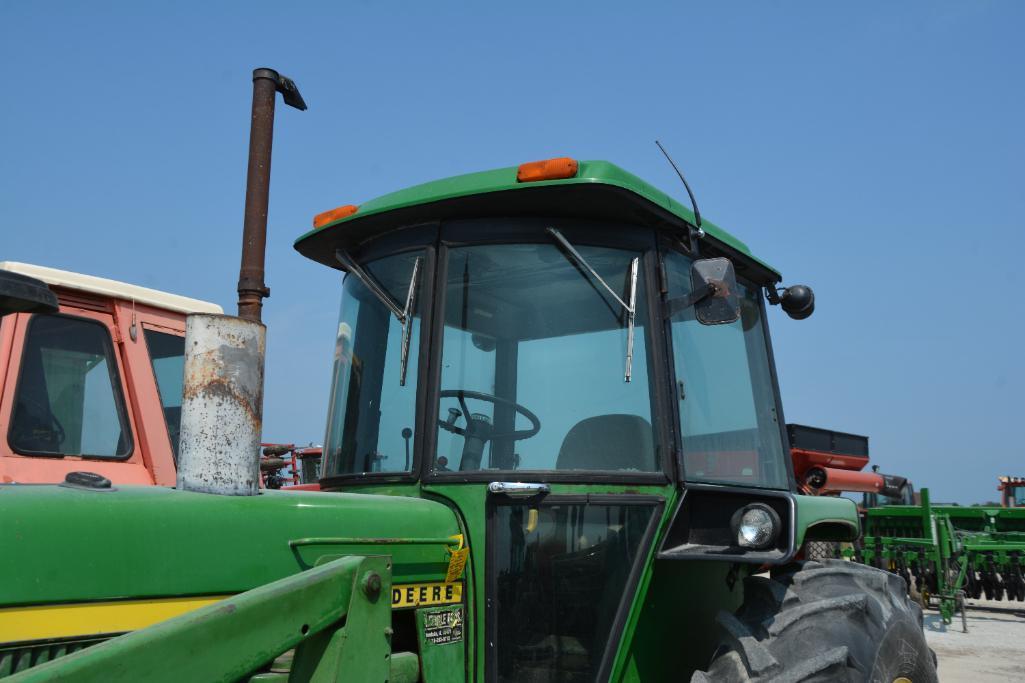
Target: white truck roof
{"type": "Point", "coordinates": [112, 288]}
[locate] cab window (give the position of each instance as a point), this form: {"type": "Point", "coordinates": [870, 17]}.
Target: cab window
{"type": "Point", "coordinates": [69, 400]}
{"type": "Point", "coordinates": [534, 363]}
{"type": "Point", "coordinates": [167, 355]}
{"type": "Point", "coordinates": [727, 399]}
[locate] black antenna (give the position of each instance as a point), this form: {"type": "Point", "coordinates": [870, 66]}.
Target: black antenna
{"type": "Point", "coordinates": [693, 202]}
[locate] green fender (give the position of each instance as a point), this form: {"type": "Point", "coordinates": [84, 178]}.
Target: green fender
{"type": "Point", "coordinates": [825, 518]}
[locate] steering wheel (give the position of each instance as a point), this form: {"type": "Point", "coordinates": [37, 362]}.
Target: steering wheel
{"type": "Point", "coordinates": [515, 435]}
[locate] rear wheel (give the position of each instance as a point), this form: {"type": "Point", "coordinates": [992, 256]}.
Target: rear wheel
{"type": "Point", "coordinates": [828, 621]}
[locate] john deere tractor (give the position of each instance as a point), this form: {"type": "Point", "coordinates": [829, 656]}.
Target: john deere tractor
{"type": "Point", "coordinates": [555, 451]}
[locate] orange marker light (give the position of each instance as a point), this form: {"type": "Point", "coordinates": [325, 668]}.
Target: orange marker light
{"type": "Point", "coordinates": [322, 219]}
{"type": "Point", "coordinates": [549, 169]}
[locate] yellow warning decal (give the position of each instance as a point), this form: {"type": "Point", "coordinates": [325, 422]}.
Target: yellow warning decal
{"type": "Point", "coordinates": [457, 560]}
{"type": "Point", "coordinates": [425, 594]}
{"type": "Point", "coordinates": [456, 564]}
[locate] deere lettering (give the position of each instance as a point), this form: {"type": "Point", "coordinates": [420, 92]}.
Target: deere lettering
{"type": "Point", "coordinates": [425, 594]}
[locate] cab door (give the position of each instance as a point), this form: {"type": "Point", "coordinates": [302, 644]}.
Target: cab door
{"type": "Point", "coordinates": [562, 570]}
{"type": "Point", "coordinates": [65, 404]}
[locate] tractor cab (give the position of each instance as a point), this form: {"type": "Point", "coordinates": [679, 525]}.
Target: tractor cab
{"type": "Point", "coordinates": [563, 344]}
{"type": "Point", "coordinates": [556, 356]}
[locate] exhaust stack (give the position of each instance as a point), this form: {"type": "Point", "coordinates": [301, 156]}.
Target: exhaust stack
{"type": "Point", "coordinates": [222, 394]}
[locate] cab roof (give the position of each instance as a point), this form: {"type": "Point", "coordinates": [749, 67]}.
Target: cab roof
{"type": "Point", "coordinates": [111, 288]}
{"type": "Point", "coordinates": [599, 190]}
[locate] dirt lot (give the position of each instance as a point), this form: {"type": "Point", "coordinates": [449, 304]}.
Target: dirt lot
{"type": "Point", "coordinates": [992, 650]}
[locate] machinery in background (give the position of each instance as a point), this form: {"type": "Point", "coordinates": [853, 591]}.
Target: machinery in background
{"type": "Point", "coordinates": [1012, 492]}
{"type": "Point", "coordinates": [290, 466]}
{"type": "Point", "coordinates": [96, 384]}
{"type": "Point", "coordinates": [827, 462]}
{"type": "Point", "coordinates": [948, 552]}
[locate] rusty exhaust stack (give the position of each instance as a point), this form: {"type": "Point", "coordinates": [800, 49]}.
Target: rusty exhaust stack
{"type": "Point", "coordinates": [222, 395]}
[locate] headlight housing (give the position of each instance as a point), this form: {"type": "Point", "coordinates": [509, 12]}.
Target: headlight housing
{"type": "Point", "coordinates": [756, 526]}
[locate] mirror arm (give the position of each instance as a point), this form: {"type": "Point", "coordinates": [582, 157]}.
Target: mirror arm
{"type": "Point", "coordinates": [682, 303]}
{"type": "Point", "coordinates": [407, 320]}
{"type": "Point", "coordinates": [370, 282]}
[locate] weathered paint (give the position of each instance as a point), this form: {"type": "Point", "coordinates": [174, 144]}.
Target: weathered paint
{"type": "Point", "coordinates": [222, 405]}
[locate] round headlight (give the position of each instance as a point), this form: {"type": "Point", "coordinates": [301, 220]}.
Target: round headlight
{"type": "Point", "coordinates": [757, 526]}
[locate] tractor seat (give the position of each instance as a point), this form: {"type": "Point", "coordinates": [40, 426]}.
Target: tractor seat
{"type": "Point", "coordinates": [608, 442]}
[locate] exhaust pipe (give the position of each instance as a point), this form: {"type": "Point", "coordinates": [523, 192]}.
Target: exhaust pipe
{"type": "Point", "coordinates": [222, 393]}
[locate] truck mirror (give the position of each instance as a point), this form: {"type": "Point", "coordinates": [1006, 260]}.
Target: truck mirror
{"type": "Point", "coordinates": [23, 294]}
{"type": "Point", "coordinates": [721, 304]}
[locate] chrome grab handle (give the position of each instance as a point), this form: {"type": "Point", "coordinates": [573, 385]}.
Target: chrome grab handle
{"type": "Point", "coordinates": [518, 489]}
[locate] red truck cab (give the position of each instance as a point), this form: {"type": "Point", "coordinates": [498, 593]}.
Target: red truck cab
{"type": "Point", "coordinates": [95, 386]}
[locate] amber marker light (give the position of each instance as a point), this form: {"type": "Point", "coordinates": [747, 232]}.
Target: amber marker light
{"type": "Point", "coordinates": [322, 219]}
{"type": "Point", "coordinates": [549, 169]}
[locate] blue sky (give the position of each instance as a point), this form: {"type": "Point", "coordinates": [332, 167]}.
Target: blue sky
{"type": "Point", "coordinates": [873, 150]}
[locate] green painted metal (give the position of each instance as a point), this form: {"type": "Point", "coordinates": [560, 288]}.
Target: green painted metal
{"type": "Point", "coordinates": [76, 546]}
{"type": "Point", "coordinates": [946, 551]}
{"type": "Point", "coordinates": [826, 518]}
{"type": "Point", "coordinates": [658, 600]}
{"type": "Point", "coordinates": [405, 668]}
{"type": "Point", "coordinates": [504, 180]}
{"type": "Point", "coordinates": [339, 627]}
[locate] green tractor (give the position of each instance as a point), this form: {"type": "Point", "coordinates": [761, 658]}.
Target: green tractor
{"type": "Point", "coordinates": [555, 451]}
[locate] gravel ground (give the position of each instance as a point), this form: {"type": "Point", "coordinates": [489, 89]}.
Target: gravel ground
{"type": "Point", "coordinates": [992, 650]}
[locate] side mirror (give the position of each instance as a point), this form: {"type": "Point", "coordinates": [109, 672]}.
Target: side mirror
{"type": "Point", "coordinates": [23, 294]}
{"type": "Point", "coordinates": [716, 277]}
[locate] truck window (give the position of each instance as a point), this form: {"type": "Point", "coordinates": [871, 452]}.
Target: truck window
{"type": "Point", "coordinates": [69, 400]}
{"type": "Point", "coordinates": [167, 354]}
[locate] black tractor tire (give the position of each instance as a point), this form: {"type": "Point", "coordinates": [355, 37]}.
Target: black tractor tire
{"type": "Point", "coordinates": [828, 621]}
{"type": "Point", "coordinates": [822, 550]}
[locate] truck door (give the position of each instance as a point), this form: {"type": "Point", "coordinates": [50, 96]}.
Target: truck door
{"type": "Point", "coordinates": [561, 574]}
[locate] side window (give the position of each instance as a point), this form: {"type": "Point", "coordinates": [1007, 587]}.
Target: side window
{"type": "Point", "coordinates": [167, 354]}
{"type": "Point", "coordinates": [69, 400]}
{"type": "Point", "coordinates": [726, 394]}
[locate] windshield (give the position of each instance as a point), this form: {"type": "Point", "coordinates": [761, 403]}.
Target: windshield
{"type": "Point", "coordinates": [372, 412]}
{"type": "Point", "coordinates": [731, 432]}
{"type": "Point", "coordinates": [534, 362]}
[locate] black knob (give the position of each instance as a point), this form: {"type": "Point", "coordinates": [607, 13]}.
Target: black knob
{"type": "Point", "coordinates": [86, 480]}
{"type": "Point", "coordinates": [798, 301]}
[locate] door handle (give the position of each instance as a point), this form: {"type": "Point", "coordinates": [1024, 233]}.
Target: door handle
{"type": "Point", "coordinates": [517, 489]}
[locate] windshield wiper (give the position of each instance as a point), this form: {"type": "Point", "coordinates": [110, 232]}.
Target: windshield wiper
{"type": "Point", "coordinates": [403, 314]}
{"type": "Point", "coordinates": [407, 321]}
{"type": "Point", "coordinates": [629, 308]}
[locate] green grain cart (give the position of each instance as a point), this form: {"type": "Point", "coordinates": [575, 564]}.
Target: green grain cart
{"type": "Point", "coordinates": [555, 451]}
